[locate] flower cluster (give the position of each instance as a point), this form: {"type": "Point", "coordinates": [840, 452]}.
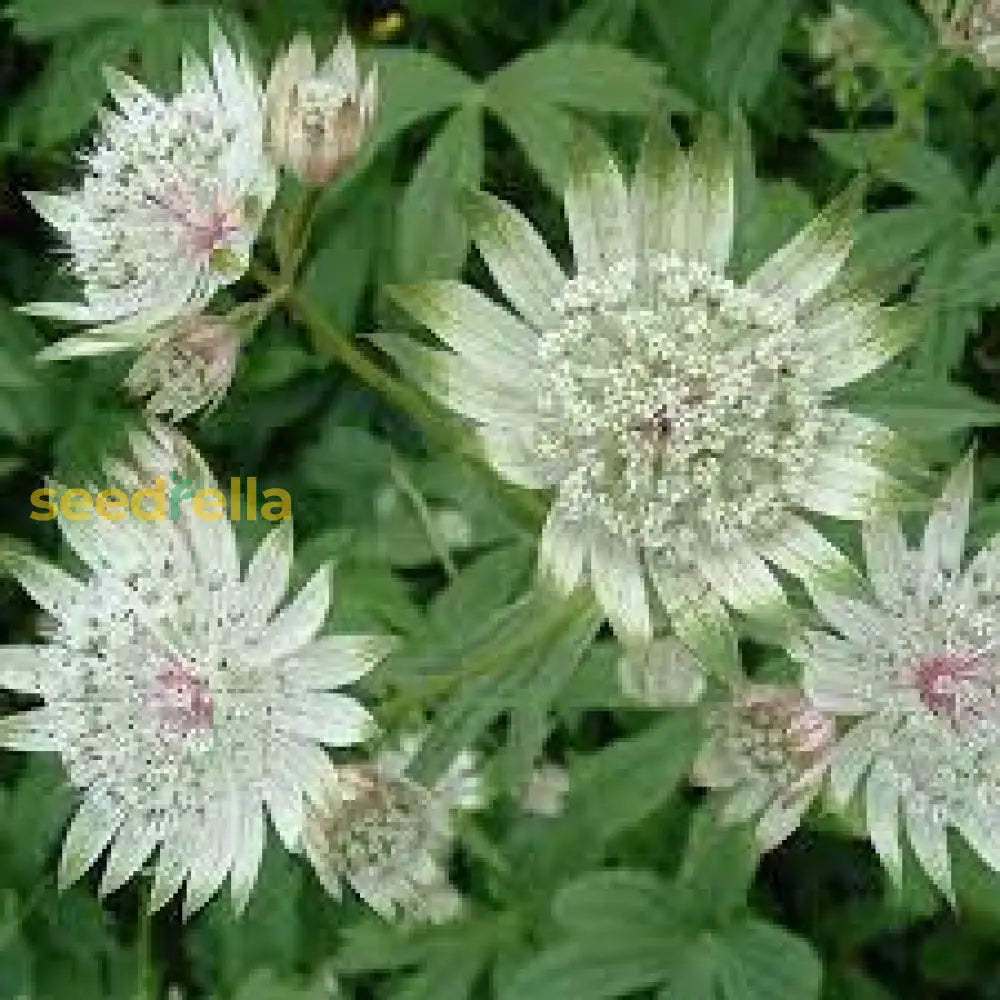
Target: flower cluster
{"type": "Point", "coordinates": [682, 417]}
{"type": "Point", "coordinates": [174, 197]}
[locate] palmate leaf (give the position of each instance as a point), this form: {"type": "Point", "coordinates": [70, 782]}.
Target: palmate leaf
{"type": "Point", "coordinates": [744, 49]}
{"type": "Point", "coordinates": [627, 934]}
{"type": "Point", "coordinates": [900, 159]}
{"type": "Point", "coordinates": [433, 236]}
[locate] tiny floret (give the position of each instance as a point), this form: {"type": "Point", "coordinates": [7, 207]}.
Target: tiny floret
{"type": "Point", "coordinates": [389, 837]}
{"type": "Point", "coordinates": [188, 366]}
{"type": "Point", "coordinates": [317, 118]}
{"type": "Point", "coordinates": [768, 749]}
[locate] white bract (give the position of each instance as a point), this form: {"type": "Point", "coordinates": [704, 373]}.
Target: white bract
{"type": "Point", "coordinates": [769, 750]}
{"type": "Point", "coordinates": [183, 698]}
{"type": "Point", "coordinates": [388, 836]}
{"type": "Point", "coordinates": [317, 117]}
{"type": "Point", "coordinates": [188, 366]}
{"type": "Point", "coordinates": [683, 418]}
{"type": "Point", "coordinates": [915, 668]}
{"type": "Point", "coordinates": [174, 195]}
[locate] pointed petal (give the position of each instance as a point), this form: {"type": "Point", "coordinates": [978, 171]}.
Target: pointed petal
{"type": "Point", "coordinates": [284, 801]}
{"type": "Point", "coordinates": [266, 580]}
{"type": "Point", "coordinates": [511, 451]}
{"type": "Point", "coordinates": [882, 801]}
{"type": "Point", "coordinates": [944, 536]}
{"type": "Point", "coordinates": [334, 720]}
{"type": "Point", "coordinates": [745, 583]}
{"type": "Point", "coordinates": [782, 818]}
{"type": "Point", "coordinates": [887, 557]}
{"type": "Point", "coordinates": [698, 617]}
{"type": "Point", "coordinates": [660, 194]}
{"type": "Point", "coordinates": [597, 210]}
{"type": "Point", "coordinates": [333, 661]}
{"type": "Point", "coordinates": [839, 678]}
{"type": "Point", "coordinates": [517, 257]}
{"type": "Point", "coordinates": [711, 201]}
{"type": "Point", "coordinates": [850, 337]}
{"type": "Point", "coordinates": [800, 550]}
{"type": "Point", "coordinates": [808, 264]}
{"type": "Point", "coordinates": [36, 730]}
{"type": "Point", "coordinates": [929, 838]}
{"type": "Point", "coordinates": [562, 550]}
{"type": "Point", "coordinates": [853, 755]}
{"type": "Point", "coordinates": [617, 578]}
{"type": "Point", "coordinates": [249, 852]}
{"type": "Point", "coordinates": [89, 833]}
{"type": "Point", "coordinates": [486, 335]}
{"type": "Point", "coordinates": [171, 869]}
{"type": "Point", "coordinates": [25, 668]}
{"type": "Point", "coordinates": [297, 625]}
{"type": "Point", "coordinates": [135, 842]}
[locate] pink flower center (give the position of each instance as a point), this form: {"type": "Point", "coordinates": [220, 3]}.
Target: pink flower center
{"type": "Point", "coordinates": [940, 680]}
{"type": "Point", "coordinates": [207, 229]}
{"type": "Point", "coordinates": [182, 700]}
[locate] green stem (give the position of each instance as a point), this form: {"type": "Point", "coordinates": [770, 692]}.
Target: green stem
{"type": "Point", "coordinates": [437, 425]}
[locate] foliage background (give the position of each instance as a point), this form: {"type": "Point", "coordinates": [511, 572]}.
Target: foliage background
{"type": "Point", "coordinates": [631, 892]}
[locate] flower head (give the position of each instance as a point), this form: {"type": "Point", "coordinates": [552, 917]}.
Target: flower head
{"type": "Point", "coordinates": [971, 26]}
{"type": "Point", "coordinates": [769, 749]}
{"type": "Point", "coordinates": [188, 367]}
{"type": "Point", "coordinates": [174, 195]}
{"type": "Point", "coordinates": [388, 836]}
{"type": "Point", "coordinates": [317, 118]}
{"type": "Point", "coordinates": [915, 668]}
{"type": "Point", "coordinates": [683, 418]}
{"type": "Point", "coordinates": [183, 699]}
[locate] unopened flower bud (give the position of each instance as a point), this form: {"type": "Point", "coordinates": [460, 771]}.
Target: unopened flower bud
{"type": "Point", "coordinates": [317, 118]}
{"type": "Point", "coordinates": [190, 365]}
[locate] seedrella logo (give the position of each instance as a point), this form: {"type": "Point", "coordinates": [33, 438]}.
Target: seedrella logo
{"type": "Point", "coordinates": [156, 502]}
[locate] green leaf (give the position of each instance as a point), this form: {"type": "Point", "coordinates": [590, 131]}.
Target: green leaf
{"type": "Point", "coordinates": [745, 48]}
{"type": "Point", "coordinates": [39, 20]}
{"type": "Point", "coordinates": [925, 407]}
{"type": "Point", "coordinates": [760, 961]}
{"type": "Point", "coordinates": [600, 21]}
{"type": "Point", "coordinates": [973, 279]}
{"type": "Point", "coordinates": [683, 31]}
{"type": "Point", "coordinates": [613, 901]}
{"type": "Point", "coordinates": [414, 85]}
{"type": "Point", "coordinates": [545, 133]}
{"type": "Point", "coordinates": [897, 158]}
{"type": "Point", "coordinates": [586, 77]}
{"type": "Point", "coordinates": [433, 237]}
{"type": "Point", "coordinates": [599, 968]}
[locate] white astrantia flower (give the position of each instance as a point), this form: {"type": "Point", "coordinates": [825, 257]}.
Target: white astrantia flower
{"type": "Point", "coordinates": [683, 418]}
{"type": "Point", "coordinates": [388, 836]}
{"type": "Point", "coordinates": [318, 117]}
{"type": "Point", "coordinates": [173, 198]}
{"type": "Point", "coordinates": [971, 26]}
{"type": "Point", "coordinates": [768, 749]}
{"type": "Point", "coordinates": [184, 698]}
{"type": "Point", "coordinates": [915, 667]}
{"type": "Point", "coordinates": [190, 365]}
